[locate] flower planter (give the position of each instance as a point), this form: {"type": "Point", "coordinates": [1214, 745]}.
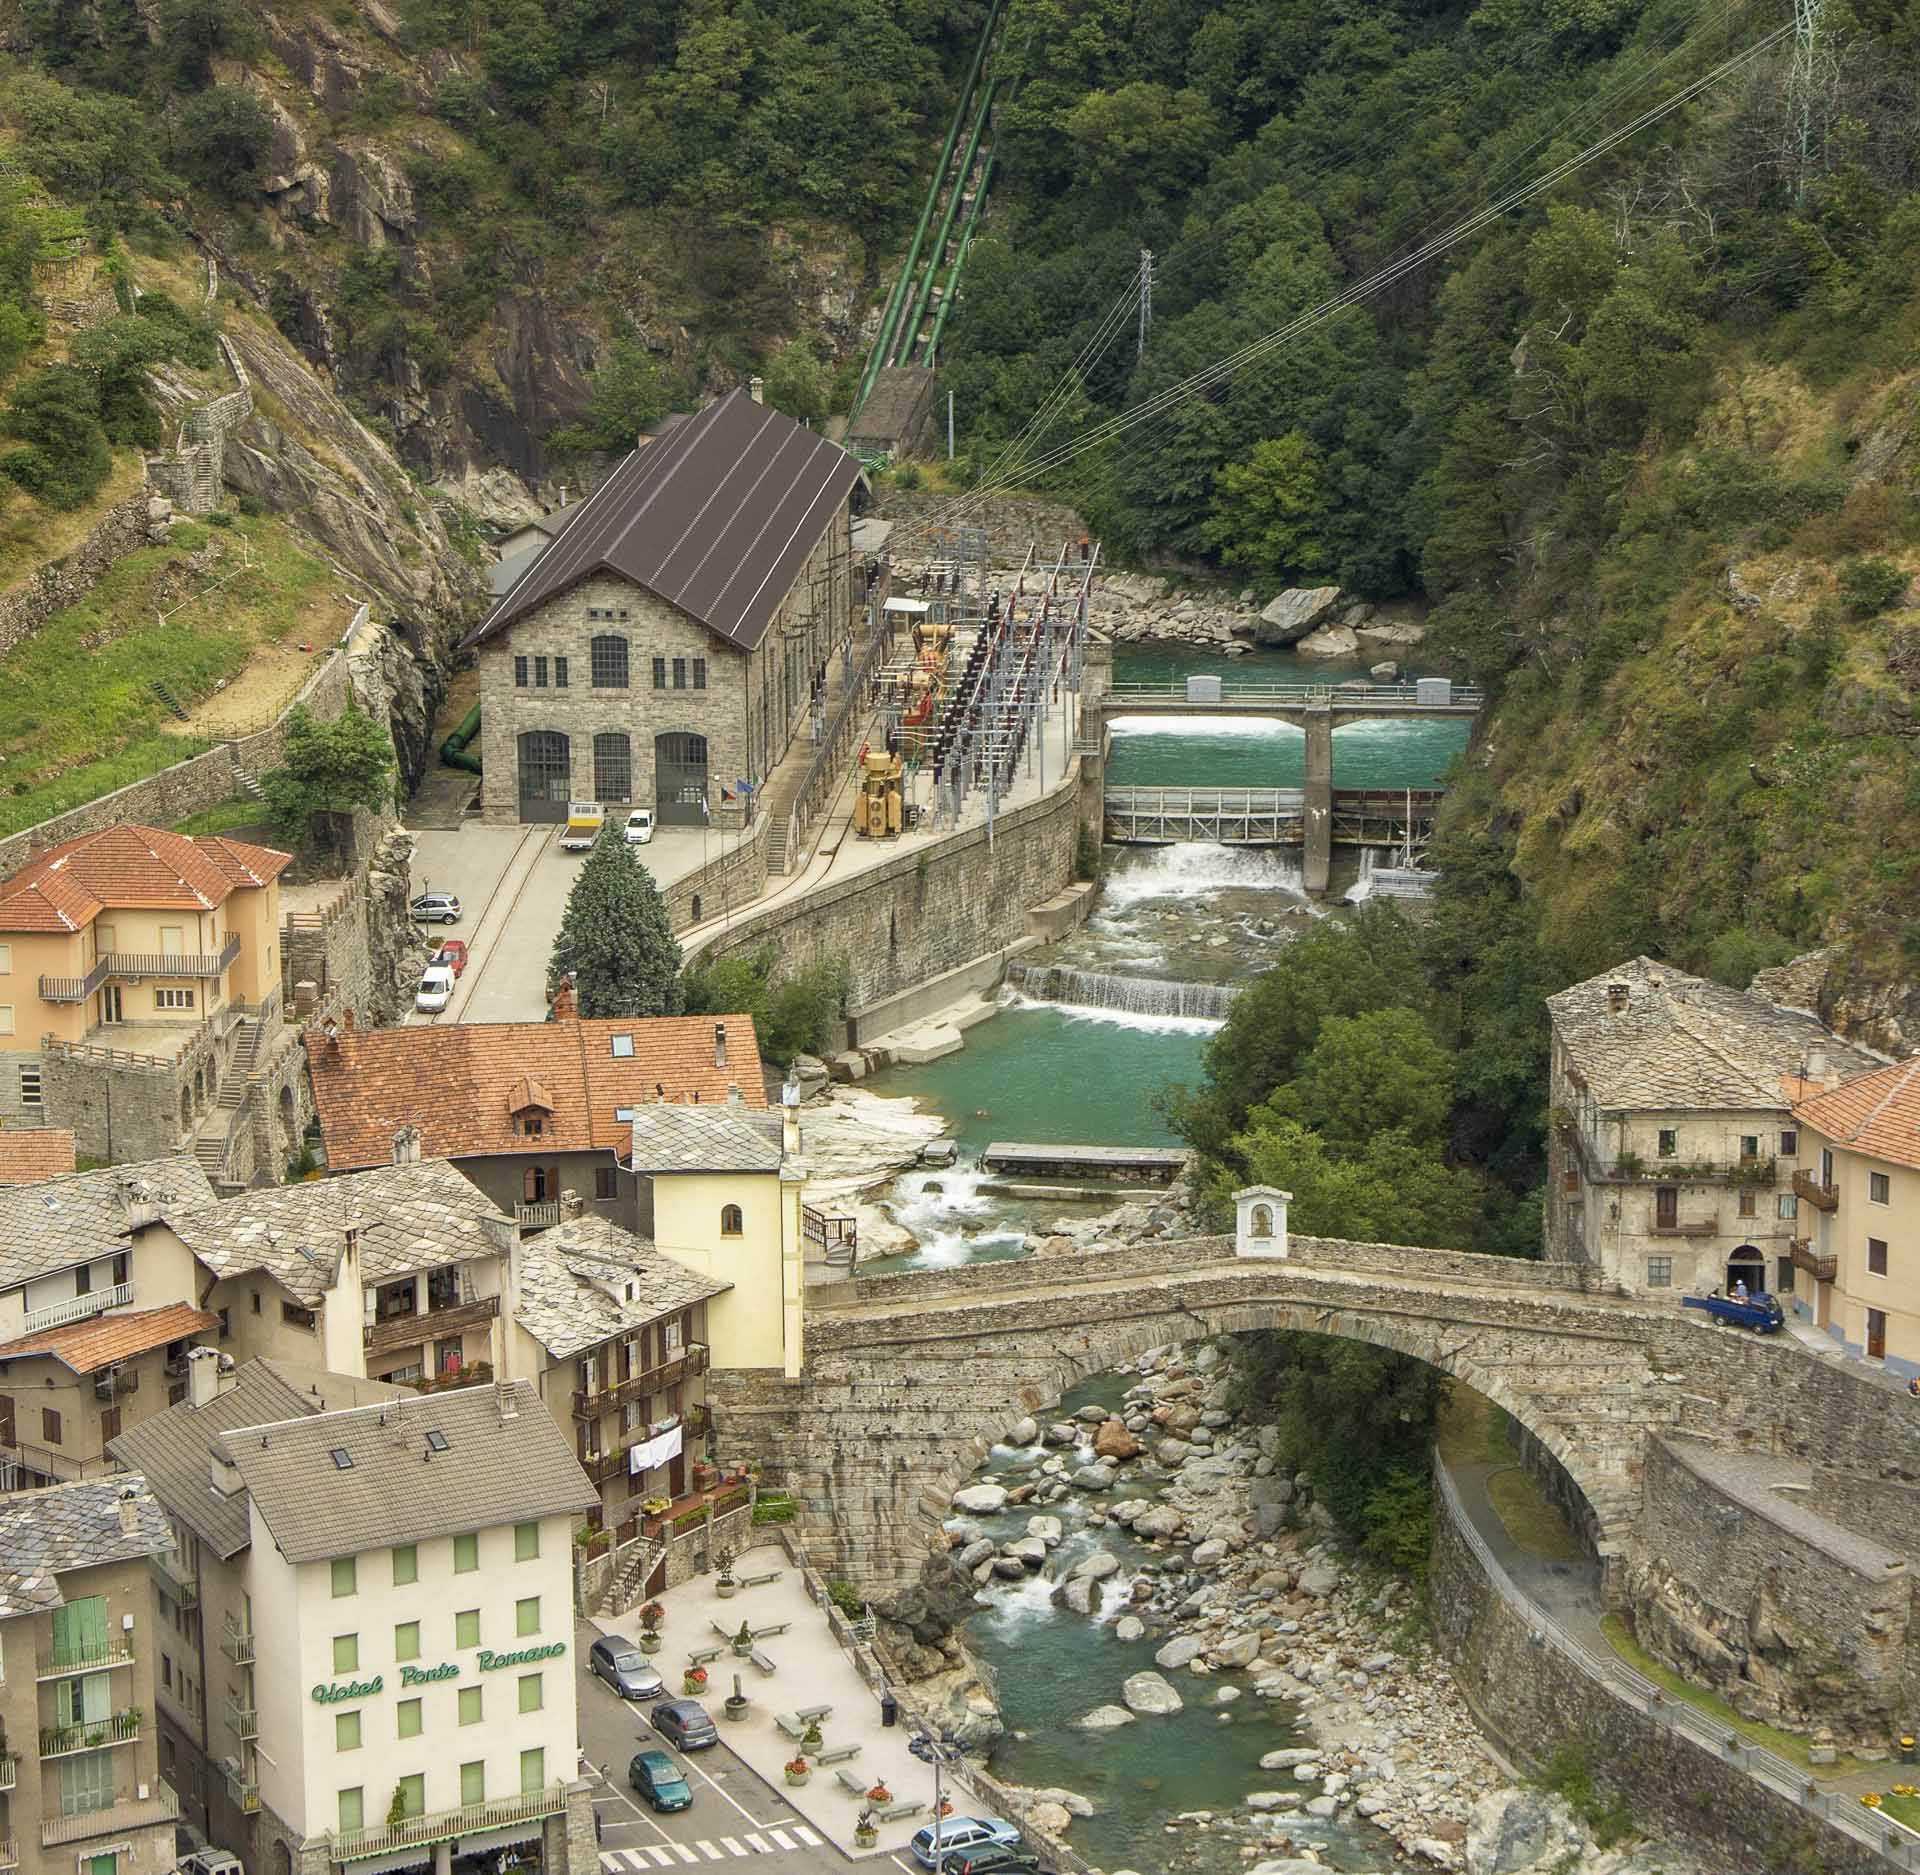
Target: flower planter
{"type": "Point", "coordinates": [649, 1641]}
{"type": "Point", "coordinates": [726, 1590]}
{"type": "Point", "coordinates": [693, 1685]}
{"type": "Point", "coordinates": [866, 1838]}
{"type": "Point", "coordinates": [736, 1707]}
{"type": "Point", "coordinates": [797, 1778]}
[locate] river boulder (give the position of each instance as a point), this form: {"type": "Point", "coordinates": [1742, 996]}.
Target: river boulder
{"type": "Point", "coordinates": [1113, 1440]}
{"type": "Point", "coordinates": [1330, 641]}
{"type": "Point", "coordinates": [1095, 1567]}
{"type": "Point", "coordinates": [1050, 1818]}
{"type": "Point", "coordinates": [1077, 1596]}
{"type": "Point", "coordinates": [1209, 1555]}
{"type": "Point", "coordinates": [981, 1500]}
{"type": "Point", "coordinates": [1181, 1651]}
{"type": "Point", "coordinates": [1171, 1452]}
{"type": "Point", "coordinates": [1029, 1551]}
{"type": "Point", "coordinates": [1023, 1432]}
{"type": "Point", "coordinates": [1319, 1578]}
{"type": "Point", "coordinates": [1047, 1529]}
{"type": "Point", "coordinates": [1129, 1628]}
{"type": "Point", "coordinates": [974, 1554]}
{"type": "Point", "coordinates": [1237, 1650]}
{"type": "Point", "coordinates": [1288, 619]}
{"type": "Point", "coordinates": [1150, 1693]}
{"type": "Point", "coordinates": [1157, 1520]}
{"type": "Point", "coordinates": [1515, 1832]}
{"type": "Point", "coordinates": [1103, 1719]}
{"type": "Point", "coordinates": [1092, 1478]}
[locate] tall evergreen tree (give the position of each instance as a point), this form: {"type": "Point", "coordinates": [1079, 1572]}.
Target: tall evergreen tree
{"type": "Point", "coordinates": [615, 941]}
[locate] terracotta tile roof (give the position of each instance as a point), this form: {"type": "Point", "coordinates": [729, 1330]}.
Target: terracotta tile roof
{"type": "Point", "coordinates": [132, 866]}
{"type": "Point", "coordinates": [1876, 1115]}
{"type": "Point", "coordinates": [88, 1346]}
{"type": "Point", "coordinates": [1682, 1043]}
{"type": "Point", "coordinates": [29, 1153]}
{"type": "Point", "coordinates": [456, 1083]}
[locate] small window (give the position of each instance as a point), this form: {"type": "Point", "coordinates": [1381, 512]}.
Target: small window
{"type": "Point", "coordinates": [406, 1564]}
{"type": "Point", "coordinates": [1876, 1256]}
{"type": "Point", "coordinates": [622, 1046]}
{"type": "Point", "coordinates": [256, 1302]}
{"type": "Point", "coordinates": [406, 1640]}
{"type": "Point", "coordinates": [410, 1795]}
{"type": "Point", "coordinates": [342, 1458]}
{"type": "Point", "coordinates": [30, 1095]}
{"type": "Point", "coordinates": [6, 1018]}
{"type": "Point", "coordinates": [1879, 1188]}
{"type": "Point", "coordinates": [533, 1125]}
{"type": "Point", "coordinates": [466, 1628]}
{"type": "Point", "coordinates": [526, 1615]}
{"type": "Point", "coordinates": [1789, 1145]}
{"type": "Point", "coordinates": [1749, 1145]}
{"type": "Point", "coordinates": [1749, 1204]}
{"type": "Point", "coordinates": [353, 1810]}
{"type": "Point", "coordinates": [530, 1695]}
{"type": "Point", "coordinates": [679, 673]}
{"type": "Point", "coordinates": [49, 1425]}
{"type": "Point", "coordinates": [520, 673]}
{"type": "Point", "coordinates": [346, 1653]}
{"type": "Point", "coordinates": [346, 1575]}
{"type": "Point", "coordinates": [437, 1440]}
{"type": "Point", "coordinates": [1669, 1142]}
{"type": "Point", "coordinates": [409, 1716]}
{"type": "Point", "coordinates": [6, 960]}
{"type": "Point", "coordinates": [539, 673]}
{"type": "Point", "coordinates": [659, 673]}
{"type": "Point", "coordinates": [1788, 1205]}
{"type": "Point", "coordinates": [731, 1222]}
{"type": "Point", "coordinates": [533, 1772]}
{"type": "Point", "coordinates": [471, 1707]}
{"type": "Point", "coordinates": [699, 673]}
{"type": "Point", "coordinates": [695, 914]}
{"type": "Point", "coordinates": [473, 1783]}
{"type": "Point", "coordinates": [526, 1542]}
{"type": "Point", "coordinates": [346, 1731]}
{"type": "Point", "coordinates": [1659, 1272]}
{"type": "Point", "coordinates": [294, 1315]}
{"type": "Point", "coordinates": [559, 673]}
{"type": "Point", "coordinates": [173, 999]}
{"type": "Point", "coordinates": [466, 1553]}
{"type": "Point", "coordinates": [606, 1182]}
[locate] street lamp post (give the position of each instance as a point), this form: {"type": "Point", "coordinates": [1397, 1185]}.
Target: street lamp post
{"type": "Point", "coordinates": [938, 1752]}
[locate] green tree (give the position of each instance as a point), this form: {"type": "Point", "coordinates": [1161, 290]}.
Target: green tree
{"type": "Point", "coordinates": [615, 941]}
{"type": "Point", "coordinates": [194, 30]}
{"type": "Point", "coordinates": [1271, 510]}
{"type": "Point", "coordinates": [523, 54]}
{"type": "Point", "coordinates": [56, 413]}
{"type": "Point", "coordinates": [329, 768]}
{"type": "Point", "coordinates": [628, 396]}
{"type": "Point", "coordinates": [790, 1017]}
{"type": "Point", "coordinates": [1373, 1073]}
{"type": "Point", "coordinates": [225, 133]}
{"type": "Point", "coordinates": [798, 383]}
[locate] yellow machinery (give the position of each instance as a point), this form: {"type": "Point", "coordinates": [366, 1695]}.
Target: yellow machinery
{"type": "Point", "coordinates": [876, 809]}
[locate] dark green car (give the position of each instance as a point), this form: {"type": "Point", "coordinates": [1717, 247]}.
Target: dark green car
{"type": "Point", "coordinates": [657, 1778]}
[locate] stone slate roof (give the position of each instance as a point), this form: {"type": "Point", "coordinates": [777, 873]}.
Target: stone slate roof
{"type": "Point", "coordinates": [98, 1342]}
{"type": "Point", "coordinates": [129, 865]}
{"type": "Point", "coordinates": [71, 1526]}
{"type": "Point", "coordinates": [59, 1222]}
{"type": "Point", "coordinates": [1876, 1115]}
{"type": "Point", "coordinates": [458, 1082]}
{"type": "Point", "coordinates": [174, 1451]}
{"type": "Point", "coordinates": [575, 1279]}
{"type": "Point", "coordinates": [410, 1217]}
{"type": "Point", "coordinates": [28, 1153]}
{"type": "Point", "coordinates": [705, 1139]}
{"type": "Point", "coordinates": [505, 1461]}
{"type": "Point", "coordinates": [1685, 1044]}
{"type": "Point", "coordinates": [717, 517]}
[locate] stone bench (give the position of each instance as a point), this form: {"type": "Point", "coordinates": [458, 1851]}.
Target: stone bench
{"type": "Point", "coordinates": [777, 1627]}
{"type": "Point", "coordinates": [758, 1582]}
{"type": "Point", "coordinates": [840, 1754]}
{"type": "Point", "coordinates": [726, 1634]}
{"type": "Point", "coordinates": [794, 1724]}
{"type": "Point", "coordinates": [818, 1714]}
{"type": "Point", "coordinates": [901, 1806]}
{"type": "Point", "coordinates": [763, 1661]}
{"type": "Point", "coordinates": [701, 1655]}
{"type": "Point", "coordinates": [853, 1785]}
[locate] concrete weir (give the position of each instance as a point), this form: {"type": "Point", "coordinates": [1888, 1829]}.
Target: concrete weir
{"type": "Point", "coordinates": [1134, 1164]}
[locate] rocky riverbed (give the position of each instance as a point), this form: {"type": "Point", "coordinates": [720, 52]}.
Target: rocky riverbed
{"type": "Point", "coordinates": [1316, 621]}
{"type": "Point", "coordinates": [1165, 1521]}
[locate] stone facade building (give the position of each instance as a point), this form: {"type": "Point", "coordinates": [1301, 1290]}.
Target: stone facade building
{"type": "Point", "coordinates": [1672, 1144]}
{"type": "Point", "coordinates": [666, 645]}
{"type": "Point", "coordinates": [1858, 1239]}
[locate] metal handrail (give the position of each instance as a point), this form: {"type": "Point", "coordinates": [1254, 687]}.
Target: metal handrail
{"type": "Point", "coordinates": [77, 1308]}
{"type": "Point", "coordinates": [1464, 696]}
{"type": "Point", "coordinates": [688, 1364]}
{"type": "Point", "coordinates": [444, 1825]}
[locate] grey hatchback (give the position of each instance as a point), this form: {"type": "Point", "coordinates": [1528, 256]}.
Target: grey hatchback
{"type": "Point", "coordinates": [625, 1668]}
{"type": "Point", "coordinates": [684, 1722]}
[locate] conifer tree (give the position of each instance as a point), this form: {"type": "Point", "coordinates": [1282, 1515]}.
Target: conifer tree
{"type": "Point", "coordinates": [614, 938]}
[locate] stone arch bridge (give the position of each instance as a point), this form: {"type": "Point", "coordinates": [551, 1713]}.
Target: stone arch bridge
{"type": "Point", "coordinates": [909, 1379]}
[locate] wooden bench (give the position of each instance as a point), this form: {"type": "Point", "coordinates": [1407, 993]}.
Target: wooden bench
{"type": "Point", "coordinates": [763, 1661]}
{"type": "Point", "coordinates": [903, 1806]}
{"type": "Point", "coordinates": [777, 1627]}
{"type": "Point", "coordinates": [816, 1713]}
{"type": "Point", "coordinates": [794, 1724]}
{"type": "Point", "coordinates": [838, 1755]}
{"type": "Point", "coordinates": [853, 1785]}
{"type": "Point", "coordinates": [756, 1582]}
{"type": "Point", "coordinates": [701, 1655]}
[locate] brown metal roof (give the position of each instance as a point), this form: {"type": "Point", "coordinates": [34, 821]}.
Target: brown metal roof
{"type": "Point", "coordinates": [717, 517]}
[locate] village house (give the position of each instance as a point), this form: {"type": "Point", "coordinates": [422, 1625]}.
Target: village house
{"type": "Point", "coordinates": [394, 1584]}
{"type": "Point", "coordinates": [1672, 1144]}
{"type": "Point", "coordinates": [80, 1783]}
{"type": "Point", "coordinates": [666, 644]}
{"type": "Point", "coordinates": [1858, 1239]}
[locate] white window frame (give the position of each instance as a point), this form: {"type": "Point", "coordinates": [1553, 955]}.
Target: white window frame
{"type": "Point", "coordinates": [33, 1087]}
{"type": "Point", "coordinates": [1885, 1182]}
{"type": "Point", "coordinates": [173, 1000]}
{"type": "Point", "coordinates": [6, 1019]}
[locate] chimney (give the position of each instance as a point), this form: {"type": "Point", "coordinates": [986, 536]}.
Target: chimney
{"type": "Point", "coordinates": [129, 1510]}
{"type": "Point", "coordinates": [719, 1044]}
{"type": "Point", "coordinates": [566, 1007]}
{"type": "Point", "coordinates": [1616, 998]}
{"type": "Point", "coordinates": [346, 1019]}
{"type": "Point", "coordinates": [406, 1146]}
{"type": "Point", "coordinates": [756, 389]}
{"type": "Point", "coordinates": [203, 1376]}
{"type": "Point", "coordinates": [503, 1397]}
{"type": "Point", "coordinates": [572, 1204]}
{"type": "Point", "coordinates": [734, 1103]}
{"type": "Point", "coordinates": [790, 1119]}
{"type": "Point", "coordinates": [1817, 1063]}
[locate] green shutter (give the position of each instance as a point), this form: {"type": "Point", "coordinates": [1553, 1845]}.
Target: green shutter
{"type": "Point", "coordinates": [80, 1629]}
{"type": "Point", "coordinates": [473, 1782]}
{"type": "Point", "coordinates": [533, 1771]}
{"type": "Point", "coordinates": [413, 1795]}
{"type": "Point", "coordinates": [526, 1615]}
{"type": "Point", "coordinates": [470, 1705]}
{"type": "Point", "coordinates": [353, 1810]}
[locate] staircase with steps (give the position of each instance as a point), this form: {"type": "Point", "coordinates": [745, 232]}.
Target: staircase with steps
{"type": "Point", "coordinates": [629, 1583]}
{"type": "Point", "coordinates": [249, 784]}
{"type": "Point", "coordinates": [167, 697]}
{"type": "Point", "coordinates": [777, 845]}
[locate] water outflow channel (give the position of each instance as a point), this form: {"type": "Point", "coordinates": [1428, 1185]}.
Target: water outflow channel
{"type": "Point", "coordinates": [1091, 1031]}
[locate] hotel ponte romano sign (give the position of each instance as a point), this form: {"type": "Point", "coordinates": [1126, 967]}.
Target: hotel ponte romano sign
{"type": "Point", "coordinates": [485, 1661]}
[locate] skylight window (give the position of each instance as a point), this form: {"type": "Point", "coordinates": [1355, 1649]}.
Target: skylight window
{"type": "Point", "coordinates": [342, 1458]}
{"type": "Point", "coordinates": [623, 1047]}
{"type": "Point", "coordinates": [436, 1440]}
{"type": "Point", "coordinates": [623, 1115]}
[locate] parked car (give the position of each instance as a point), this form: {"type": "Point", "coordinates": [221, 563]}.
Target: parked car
{"type": "Point", "coordinates": [624, 1667]}
{"type": "Point", "coordinates": [436, 987]}
{"type": "Point", "coordinates": [453, 954]}
{"type": "Point", "coordinates": [962, 1832]}
{"type": "Point", "coordinates": [657, 1778]}
{"type": "Point", "coordinates": [210, 1861]}
{"type": "Point", "coordinates": [992, 1860]}
{"type": "Point", "coordinates": [435, 908]}
{"type": "Point", "coordinates": [684, 1722]}
{"type": "Point", "coordinates": [640, 826]}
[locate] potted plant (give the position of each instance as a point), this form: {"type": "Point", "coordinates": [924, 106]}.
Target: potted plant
{"type": "Point", "coordinates": [798, 1770]}
{"type": "Point", "coordinates": [880, 1796]}
{"type": "Point", "coordinates": [743, 1641]}
{"type": "Point", "coordinates": [723, 1584]}
{"type": "Point", "coordinates": [866, 1832]}
{"type": "Point", "coordinates": [656, 1505]}
{"type": "Point", "coordinates": [810, 1739]}
{"type": "Point", "coordinates": [693, 1682]}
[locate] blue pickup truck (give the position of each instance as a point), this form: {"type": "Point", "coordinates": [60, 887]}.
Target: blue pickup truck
{"type": "Point", "coordinates": [1760, 1311]}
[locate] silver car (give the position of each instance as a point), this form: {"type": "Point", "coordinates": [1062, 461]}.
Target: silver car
{"type": "Point", "coordinates": [625, 1668]}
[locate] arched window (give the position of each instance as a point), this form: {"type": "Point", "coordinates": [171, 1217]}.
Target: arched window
{"type": "Point", "coordinates": [1262, 1225]}
{"type": "Point", "coordinates": [731, 1222]}
{"type": "Point", "coordinates": [608, 659]}
{"type": "Point", "coordinates": [613, 766]}
{"type": "Point", "coordinates": [546, 767]}
{"type": "Point", "coordinates": [696, 908]}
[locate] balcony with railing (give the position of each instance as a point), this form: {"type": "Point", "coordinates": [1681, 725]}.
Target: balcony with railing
{"type": "Point", "coordinates": [1629, 1168]}
{"type": "Point", "coordinates": [115, 1651]}
{"type": "Point", "coordinates": [78, 1308]}
{"type": "Point", "coordinates": [541, 1214]}
{"type": "Point", "coordinates": [436, 1826]}
{"type": "Point", "coordinates": [116, 1819]}
{"type": "Point", "coordinates": [1683, 1226]}
{"type": "Point", "coordinates": [237, 1643]}
{"type": "Point", "coordinates": [175, 1580]}
{"type": "Point", "coordinates": [414, 1326]}
{"type": "Point", "coordinates": [9, 1770]}
{"type": "Point", "coordinates": [244, 1792]}
{"type": "Point", "coordinates": [59, 1741]}
{"type": "Point", "coordinates": [244, 1719]}
{"type": "Point", "coordinates": [9, 1851]}
{"type": "Point", "coordinates": [1821, 1197]}
{"type": "Point", "coordinates": [1822, 1265]}
{"type": "Point", "coordinates": [134, 965]}
{"type": "Point", "coordinates": [723, 1496]}
{"type": "Point", "coordinates": [688, 1364]}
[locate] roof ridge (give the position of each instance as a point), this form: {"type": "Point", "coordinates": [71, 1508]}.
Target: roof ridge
{"type": "Point", "coordinates": [1896, 1087]}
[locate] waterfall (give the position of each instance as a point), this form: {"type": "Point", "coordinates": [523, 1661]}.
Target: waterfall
{"type": "Point", "coordinates": [1139, 996]}
{"type": "Point", "coordinates": [1195, 869]}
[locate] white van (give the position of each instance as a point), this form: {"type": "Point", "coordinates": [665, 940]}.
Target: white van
{"type": "Point", "coordinates": [436, 987]}
{"type": "Point", "coordinates": [640, 826]}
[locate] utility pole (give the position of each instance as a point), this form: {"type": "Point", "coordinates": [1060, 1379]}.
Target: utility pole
{"type": "Point", "coordinates": [949, 426]}
{"type": "Point", "coordinates": [1800, 82]}
{"type": "Point", "coordinates": [1146, 278]}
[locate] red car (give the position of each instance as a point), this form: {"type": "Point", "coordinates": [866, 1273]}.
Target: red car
{"type": "Point", "coordinates": [452, 954]}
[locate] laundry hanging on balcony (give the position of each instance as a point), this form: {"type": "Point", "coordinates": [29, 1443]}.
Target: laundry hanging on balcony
{"type": "Point", "coordinates": [661, 1449]}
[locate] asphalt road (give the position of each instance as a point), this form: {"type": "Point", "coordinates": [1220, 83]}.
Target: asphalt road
{"type": "Point", "coordinates": [734, 1815]}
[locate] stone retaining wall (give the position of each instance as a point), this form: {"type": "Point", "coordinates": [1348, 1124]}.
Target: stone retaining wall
{"type": "Point", "coordinates": [25, 607]}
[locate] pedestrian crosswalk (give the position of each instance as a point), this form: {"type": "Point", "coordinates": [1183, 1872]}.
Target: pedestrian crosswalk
{"type": "Point", "coordinates": [658, 1855]}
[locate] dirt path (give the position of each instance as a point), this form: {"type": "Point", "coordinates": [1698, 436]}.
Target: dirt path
{"type": "Point", "coordinates": [269, 679]}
